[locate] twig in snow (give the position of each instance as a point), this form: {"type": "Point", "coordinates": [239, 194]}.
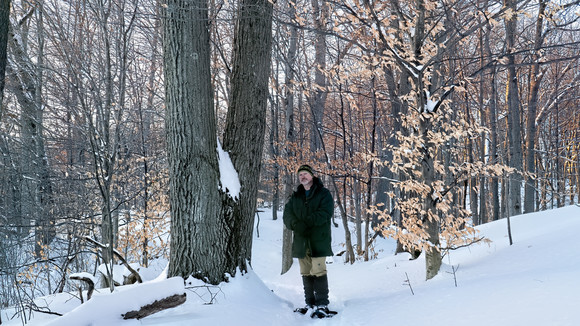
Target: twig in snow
{"type": "Point", "coordinates": [454, 269]}
{"type": "Point", "coordinates": [211, 289]}
{"type": "Point", "coordinates": [408, 282]}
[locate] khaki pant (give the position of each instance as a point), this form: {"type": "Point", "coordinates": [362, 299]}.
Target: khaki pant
{"type": "Point", "coordinates": [312, 266]}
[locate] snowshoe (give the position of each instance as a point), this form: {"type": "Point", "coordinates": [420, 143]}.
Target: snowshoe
{"type": "Point", "coordinates": [323, 312]}
{"type": "Point", "coordinates": [304, 309]}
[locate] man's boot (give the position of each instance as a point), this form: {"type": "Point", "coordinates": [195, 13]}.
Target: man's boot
{"type": "Point", "coordinates": [309, 297]}
{"type": "Point", "coordinates": [321, 294]}
{"type": "Point", "coordinates": [321, 290]}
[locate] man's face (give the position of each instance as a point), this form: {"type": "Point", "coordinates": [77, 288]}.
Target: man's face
{"type": "Point", "coordinates": [305, 179]}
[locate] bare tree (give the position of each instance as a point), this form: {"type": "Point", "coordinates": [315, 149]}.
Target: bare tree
{"type": "Point", "coordinates": [35, 188]}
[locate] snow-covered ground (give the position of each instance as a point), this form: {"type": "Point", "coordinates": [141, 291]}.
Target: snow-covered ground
{"type": "Point", "coordinates": [534, 282]}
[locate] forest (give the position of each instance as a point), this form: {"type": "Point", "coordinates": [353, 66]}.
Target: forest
{"type": "Point", "coordinates": [424, 118]}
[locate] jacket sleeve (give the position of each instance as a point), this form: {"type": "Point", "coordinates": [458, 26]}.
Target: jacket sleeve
{"type": "Point", "coordinates": [288, 215]}
{"type": "Point", "coordinates": [323, 213]}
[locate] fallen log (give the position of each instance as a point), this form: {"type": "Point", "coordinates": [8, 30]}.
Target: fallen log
{"type": "Point", "coordinates": [157, 306]}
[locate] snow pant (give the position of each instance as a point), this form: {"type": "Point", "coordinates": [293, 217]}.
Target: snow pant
{"type": "Point", "coordinates": [312, 266]}
{"type": "Point", "coordinates": [315, 290]}
{"type": "Point", "coordinates": [315, 280]}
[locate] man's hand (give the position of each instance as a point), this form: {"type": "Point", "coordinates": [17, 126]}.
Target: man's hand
{"type": "Point", "coordinates": [301, 228]}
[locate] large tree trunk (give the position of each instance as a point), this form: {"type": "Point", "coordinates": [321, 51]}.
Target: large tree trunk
{"type": "Point", "coordinates": [35, 188]}
{"type": "Point", "coordinates": [246, 121]}
{"type": "Point", "coordinates": [146, 123]}
{"type": "Point", "coordinates": [494, 184]}
{"type": "Point", "coordinates": [197, 239]}
{"type": "Point", "coordinates": [493, 156]}
{"type": "Point", "coordinates": [290, 136]}
{"type": "Point", "coordinates": [430, 221]}
{"type": "Point", "coordinates": [483, 218]}
{"type": "Point", "coordinates": [320, 12]}
{"type": "Point", "coordinates": [535, 79]}
{"type": "Point", "coordinates": [386, 177]}
{"type": "Point", "coordinates": [356, 202]}
{"type": "Point", "coordinates": [275, 152]}
{"type": "Point", "coordinates": [514, 125]}
{"type": "Point", "coordinates": [371, 168]}
{"type": "Point", "coordinates": [473, 198]}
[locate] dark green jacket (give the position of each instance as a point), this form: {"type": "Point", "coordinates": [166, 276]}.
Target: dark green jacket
{"type": "Point", "coordinates": [309, 218]}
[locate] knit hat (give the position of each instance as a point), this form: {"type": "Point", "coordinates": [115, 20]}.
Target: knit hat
{"type": "Point", "coordinates": [307, 168]}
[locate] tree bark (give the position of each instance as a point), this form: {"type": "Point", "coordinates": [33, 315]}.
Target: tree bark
{"type": "Point", "coordinates": [275, 152]}
{"type": "Point", "coordinates": [4, 24]}
{"type": "Point", "coordinates": [245, 123]}
{"type": "Point", "coordinates": [514, 125]}
{"type": "Point", "coordinates": [384, 184]}
{"type": "Point", "coordinates": [493, 156]}
{"type": "Point", "coordinates": [472, 182]}
{"type": "Point", "coordinates": [371, 169]}
{"type": "Point", "coordinates": [320, 13]}
{"type": "Point", "coordinates": [211, 228]}
{"type": "Point", "coordinates": [483, 218]}
{"type": "Point", "coordinates": [197, 239]}
{"type": "Point", "coordinates": [146, 123]}
{"type": "Point", "coordinates": [535, 80]}
{"type": "Point", "coordinates": [289, 68]}
{"type": "Point", "coordinates": [430, 221]}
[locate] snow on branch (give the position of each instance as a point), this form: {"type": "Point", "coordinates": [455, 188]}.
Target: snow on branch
{"type": "Point", "coordinates": [432, 106]}
{"type": "Point", "coordinates": [87, 278]}
{"type": "Point", "coordinates": [118, 254]}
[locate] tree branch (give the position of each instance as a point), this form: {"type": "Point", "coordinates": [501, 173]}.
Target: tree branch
{"type": "Point", "coordinates": [87, 280]}
{"type": "Point", "coordinates": [118, 254]}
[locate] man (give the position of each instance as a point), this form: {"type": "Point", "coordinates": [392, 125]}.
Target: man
{"type": "Point", "coordinates": [308, 213]}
